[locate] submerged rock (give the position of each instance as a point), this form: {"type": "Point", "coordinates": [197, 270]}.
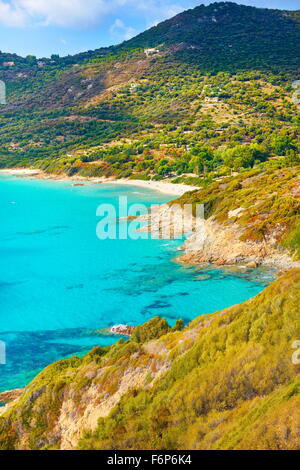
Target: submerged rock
{"type": "Point", "coordinates": [203, 277]}
{"type": "Point", "coordinates": [252, 265]}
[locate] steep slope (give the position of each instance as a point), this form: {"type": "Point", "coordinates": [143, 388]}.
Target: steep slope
{"type": "Point", "coordinates": [226, 36]}
{"type": "Point", "coordinates": [228, 381]}
{"type": "Point", "coordinates": [216, 96]}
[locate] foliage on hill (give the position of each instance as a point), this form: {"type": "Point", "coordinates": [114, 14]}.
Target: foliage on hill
{"type": "Point", "coordinates": [227, 381]}
{"type": "Point", "coordinates": [267, 200]}
{"type": "Point", "coordinates": [214, 98]}
{"type": "Point", "coordinates": [151, 330]}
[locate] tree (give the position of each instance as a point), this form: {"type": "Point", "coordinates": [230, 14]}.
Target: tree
{"type": "Point", "coordinates": [281, 144]}
{"type": "Point", "coordinates": [201, 159]}
{"type": "Point", "coordinates": [244, 156]}
{"type": "Point", "coordinates": [164, 167]}
{"type": "Point", "coordinates": [179, 325]}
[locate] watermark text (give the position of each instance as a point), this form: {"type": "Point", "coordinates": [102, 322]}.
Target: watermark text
{"type": "Point", "coordinates": [138, 221]}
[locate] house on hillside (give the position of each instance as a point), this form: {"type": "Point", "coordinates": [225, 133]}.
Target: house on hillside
{"type": "Point", "coordinates": [14, 146]}
{"type": "Point", "coordinates": [8, 64]}
{"type": "Point", "coordinates": [133, 86]}
{"type": "Point", "coordinates": [212, 99]}
{"type": "Point", "coordinates": [151, 51]}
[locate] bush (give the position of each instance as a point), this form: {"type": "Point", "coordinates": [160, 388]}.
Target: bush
{"type": "Point", "coordinates": [153, 329]}
{"type": "Point", "coordinates": [179, 325]}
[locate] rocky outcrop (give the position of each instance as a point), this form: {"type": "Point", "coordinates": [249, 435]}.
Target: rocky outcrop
{"type": "Point", "coordinates": [10, 395]}
{"type": "Point", "coordinates": [122, 330]}
{"type": "Point", "coordinates": [8, 398]}
{"type": "Point", "coordinates": [222, 245]}
{"type": "Point", "coordinates": [209, 241]}
{"type": "Point", "coordinates": [69, 397]}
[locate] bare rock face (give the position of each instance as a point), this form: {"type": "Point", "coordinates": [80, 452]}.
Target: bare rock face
{"type": "Point", "coordinates": [7, 399]}
{"type": "Point", "coordinates": [122, 330]}
{"type": "Point", "coordinates": [11, 395]}
{"type": "Point", "coordinates": [252, 265]}
{"type": "Point", "coordinates": [212, 242]}
{"type": "Point", "coordinates": [222, 245]}
{"type": "Point", "coordinates": [73, 420]}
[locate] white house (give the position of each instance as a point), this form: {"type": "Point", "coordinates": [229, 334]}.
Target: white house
{"type": "Point", "coordinates": [151, 51]}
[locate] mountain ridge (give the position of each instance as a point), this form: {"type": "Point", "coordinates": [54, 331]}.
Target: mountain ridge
{"type": "Point", "coordinates": [122, 112]}
{"type": "Point", "coordinates": [200, 112]}
{"type": "Point", "coordinates": [190, 14]}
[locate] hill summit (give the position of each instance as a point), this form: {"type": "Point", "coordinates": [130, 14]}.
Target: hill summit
{"type": "Point", "coordinates": [228, 35]}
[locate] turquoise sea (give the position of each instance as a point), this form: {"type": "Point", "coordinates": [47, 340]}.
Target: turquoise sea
{"type": "Point", "coordinates": [59, 282]}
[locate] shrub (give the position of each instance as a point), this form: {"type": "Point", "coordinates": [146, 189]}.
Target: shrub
{"type": "Point", "coordinates": [153, 329]}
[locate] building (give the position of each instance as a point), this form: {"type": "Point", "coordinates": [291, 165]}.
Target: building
{"type": "Point", "coordinates": [133, 86]}
{"type": "Point", "coordinates": [14, 146]}
{"type": "Point", "coordinates": [8, 64]}
{"type": "Point", "coordinates": [151, 51]}
{"type": "Point", "coordinates": [212, 99]}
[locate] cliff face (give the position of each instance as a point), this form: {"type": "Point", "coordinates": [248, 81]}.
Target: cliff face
{"type": "Point", "coordinates": [228, 381]}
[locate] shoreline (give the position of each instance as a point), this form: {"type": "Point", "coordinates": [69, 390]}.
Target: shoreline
{"type": "Point", "coordinates": [190, 248]}
{"type": "Point", "coordinates": [192, 252]}
{"type": "Point", "coordinates": [165, 187]}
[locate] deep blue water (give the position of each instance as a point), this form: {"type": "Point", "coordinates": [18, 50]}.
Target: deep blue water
{"type": "Point", "coordinates": [59, 282]}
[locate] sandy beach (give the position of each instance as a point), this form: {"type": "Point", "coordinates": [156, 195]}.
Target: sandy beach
{"type": "Point", "coordinates": [20, 172]}
{"type": "Point", "coordinates": [162, 186]}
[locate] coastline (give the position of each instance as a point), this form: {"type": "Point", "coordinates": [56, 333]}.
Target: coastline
{"type": "Point", "coordinates": [221, 245]}
{"type": "Point", "coordinates": [218, 244]}
{"type": "Point", "coordinates": [216, 253]}
{"type": "Point", "coordinates": [165, 187]}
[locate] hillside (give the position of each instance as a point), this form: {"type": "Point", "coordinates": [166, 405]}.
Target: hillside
{"type": "Point", "coordinates": [227, 381]}
{"type": "Point", "coordinates": [214, 95]}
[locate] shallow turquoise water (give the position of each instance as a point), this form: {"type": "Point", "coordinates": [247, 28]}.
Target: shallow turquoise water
{"type": "Point", "coordinates": [59, 282]}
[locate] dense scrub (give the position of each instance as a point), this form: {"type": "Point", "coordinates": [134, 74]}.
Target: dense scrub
{"type": "Point", "coordinates": [228, 391]}
{"type": "Point", "coordinates": [227, 381]}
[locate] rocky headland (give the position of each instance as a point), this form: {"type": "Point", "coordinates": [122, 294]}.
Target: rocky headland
{"type": "Point", "coordinates": [240, 223]}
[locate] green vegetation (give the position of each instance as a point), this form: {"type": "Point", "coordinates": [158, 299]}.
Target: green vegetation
{"type": "Point", "coordinates": [151, 330]}
{"type": "Point", "coordinates": [216, 98]}
{"type": "Point", "coordinates": [227, 381]}
{"type": "Point", "coordinates": [236, 388]}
